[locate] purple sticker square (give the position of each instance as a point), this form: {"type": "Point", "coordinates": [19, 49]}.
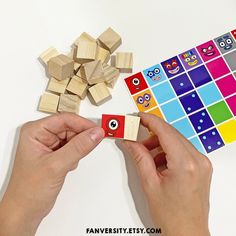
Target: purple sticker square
{"type": "Point", "coordinates": [201, 121]}
{"type": "Point", "coordinates": [211, 140]}
{"type": "Point", "coordinates": [191, 102]}
{"type": "Point", "coordinates": [200, 76]}
{"type": "Point", "coordinates": [190, 59]}
{"type": "Point", "coordinates": [217, 68]}
{"type": "Point", "coordinates": [181, 84]}
{"type": "Point", "coordinates": [208, 50]}
{"type": "Point", "coordinates": [172, 67]}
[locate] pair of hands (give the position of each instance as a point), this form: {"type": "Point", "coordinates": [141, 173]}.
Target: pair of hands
{"type": "Point", "coordinates": [176, 182]}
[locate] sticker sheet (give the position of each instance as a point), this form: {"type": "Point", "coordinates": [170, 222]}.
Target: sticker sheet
{"type": "Point", "coordinates": [194, 91]}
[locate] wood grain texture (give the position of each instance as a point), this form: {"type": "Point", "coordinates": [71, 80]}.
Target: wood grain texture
{"type": "Point", "coordinates": [111, 75]}
{"type": "Point", "coordinates": [57, 86]}
{"type": "Point", "coordinates": [48, 103]}
{"type": "Point", "coordinates": [102, 54]}
{"type": "Point", "coordinates": [84, 37]}
{"type": "Point", "coordinates": [69, 103]}
{"type": "Point", "coordinates": [131, 127]}
{"type": "Point", "coordinates": [86, 52]}
{"type": "Point", "coordinates": [48, 54]}
{"type": "Point", "coordinates": [124, 62]}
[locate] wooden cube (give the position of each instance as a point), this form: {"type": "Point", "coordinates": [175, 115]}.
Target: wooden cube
{"type": "Point", "coordinates": [102, 54]}
{"type": "Point", "coordinates": [110, 40]}
{"type": "Point", "coordinates": [111, 75]}
{"type": "Point", "coordinates": [61, 67]}
{"type": "Point", "coordinates": [48, 54]}
{"type": "Point", "coordinates": [78, 86]}
{"type": "Point", "coordinates": [48, 103]}
{"type": "Point", "coordinates": [84, 37]}
{"type": "Point", "coordinates": [93, 72]}
{"type": "Point", "coordinates": [72, 52]}
{"type": "Point", "coordinates": [69, 103]}
{"type": "Point", "coordinates": [100, 93]}
{"type": "Point", "coordinates": [131, 127]}
{"type": "Point", "coordinates": [57, 86]}
{"type": "Point", "coordinates": [76, 67]}
{"type": "Point", "coordinates": [124, 62]}
{"type": "Point", "coordinates": [86, 52]}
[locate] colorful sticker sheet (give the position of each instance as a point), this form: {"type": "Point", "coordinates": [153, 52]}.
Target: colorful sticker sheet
{"type": "Point", "coordinates": [194, 91]}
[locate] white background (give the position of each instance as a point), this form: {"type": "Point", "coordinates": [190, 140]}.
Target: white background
{"type": "Point", "coordinates": [104, 190]}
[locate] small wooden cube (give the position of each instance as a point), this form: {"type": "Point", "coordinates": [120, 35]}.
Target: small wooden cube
{"type": "Point", "coordinates": [61, 67]}
{"type": "Point", "coordinates": [131, 127]}
{"type": "Point", "coordinates": [86, 52]}
{"type": "Point", "coordinates": [84, 37]}
{"type": "Point", "coordinates": [78, 86]}
{"type": "Point", "coordinates": [69, 103]}
{"type": "Point", "coordinates": [76, 67]}
{"type": "Point", "coordinates": [111, 75]}
{"type": "Point", "coordinates": [93, 72]}
{"type": "Point", "coordinates": [48, 54]}
{"type": "Point", "coordinates": [100, 93]}
{"type": "Point", "coordinates": [102, 54]}
{"type": "Point", "coordinates": [48, 103]}
{"type": "Point", "coordinates": [57, 86]}
{"type": "Point", "coordinates": [110, 40]}
{"type": "Point", "coordinates": [72, 52]}
{"type": "Point", "coordinates": [124, 62]}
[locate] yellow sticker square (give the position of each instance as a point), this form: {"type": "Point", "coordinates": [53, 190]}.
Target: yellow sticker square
{"type": "Point", "coordinates": [157, 112]}
{"type": "Point", "coordinates": [228, 131]}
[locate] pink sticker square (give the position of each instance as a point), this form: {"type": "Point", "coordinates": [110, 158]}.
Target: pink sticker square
{"type": "Point", "coordinates": [227, 85]}
{"type": "Point", "coordinates": [208, 50]}
{"type": "Point", "coordinates": [218, 68]}
{"type": "Point", "coordinates": [232, 104]}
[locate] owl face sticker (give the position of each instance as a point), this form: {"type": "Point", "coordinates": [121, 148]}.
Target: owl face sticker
{"type": "Point", "coordinates": [225, 43]}
{"type": "Point", "coordinates": [190, 58]}
{"type": "Point", "coordinates": [172, 67]}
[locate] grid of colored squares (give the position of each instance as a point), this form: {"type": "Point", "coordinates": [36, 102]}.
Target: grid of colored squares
{"type": "Point", "coordinates": [194, 91]}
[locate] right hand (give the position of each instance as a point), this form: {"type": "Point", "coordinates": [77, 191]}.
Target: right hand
{"type": "Point", "coordinates": [176, 182]}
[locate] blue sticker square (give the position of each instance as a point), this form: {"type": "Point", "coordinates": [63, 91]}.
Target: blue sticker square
{"type": "Point", "coordinates": [197, 144]}
{"type": "Point", "coordinates": [201, 121]}
{"type": "Point", "coordinates": [172, 110]}
{"type": "Point", "coordinates": [172, 66]}
{"type": "Point", "coordinates": [209, 94]}
{"type": "Point", "coordinates": [163, 92]}
{"type": "Point", "coordinates": [211, 140]}
{"type": "Point", "coordinates": [154, 75]}
{"type": "Point", "coordinates": [191, 102]}
{"type": "Point", "coordinates": [200, 76]}
{"type": "Point", "coordinates": [181, 84]}
{"type": "Point", "coordinates": [184, 127]}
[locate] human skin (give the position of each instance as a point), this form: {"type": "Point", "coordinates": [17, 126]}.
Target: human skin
{"type": "Point", "coordinates": [176, 181]}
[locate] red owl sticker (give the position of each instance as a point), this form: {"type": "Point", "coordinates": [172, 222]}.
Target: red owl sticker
{"type": "Point", "coordinates": [113, 125]}
{"type": "Point", "coordinates": [136, 83]}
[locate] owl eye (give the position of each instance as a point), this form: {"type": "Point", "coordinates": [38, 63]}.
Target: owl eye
{"type": "Point", "coordinates": [229, 41]}
{"type": "Point", "coordinates": [168, 66]}
{"type": "Point", "coordinates": [210, 47]}
{"type": "Point", "coordinates": [174, 64]}
{"type": "Point", "coordinates": [135, 81]}
{"type": "Point", "coordinates": [156, 70]}
{"type": "Point", "coordinates": [204, 50]}
{"type": "Point", "coordinates": [222, 44]}
{"type": "Point", "coordinates": [113, 124]}
{"type": "Point", "coordinates": [147, 96]}
{"type": "Point", "coordinates": [187, 59]}
{"type": "Point", "coordinates": [194, 57]}
{"type": "Point", "coordinates": [140, 100]}
{"type": "Point", "coordinates": [150, 73]}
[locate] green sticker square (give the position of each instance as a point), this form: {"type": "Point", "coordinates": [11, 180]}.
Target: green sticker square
{"type": "Point", "coordinates": [219, 112]}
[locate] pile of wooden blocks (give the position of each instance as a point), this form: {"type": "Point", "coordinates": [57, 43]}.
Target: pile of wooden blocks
{"type": "Point", "coordinates": [85, 70]}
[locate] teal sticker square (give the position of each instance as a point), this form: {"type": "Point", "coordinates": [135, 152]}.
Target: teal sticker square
{"type": "Point", "coordinates": [163, 92]}
{"type": "Point", "coordinates": [154, 75]}
{"type": "Point", "coordinates": [197, 144]}
{"type": "Point", "coordinates": [209, 94]}
{"type": "Point", "coordinates": [184, 127]}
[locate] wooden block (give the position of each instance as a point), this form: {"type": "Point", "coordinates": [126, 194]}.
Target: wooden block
{"type": "Point", "coordinates": [93, 72]}
{"type": "Point", "coordinates": [72, 52]}
{"type": "Point", "coordinates": [111, 75]}
{"type": "Point", "coordinates": [100, 93]}
{"type": "Point", "coordinates": [131, 127]}
{"type": "Point", "coordinates": [86, 52]}
{"type": "Point", "coordinates": [110, 40]}
{"type": "Point", "coordinates": [124, 62]}
{"type": "Point", "coordinates": [61, 67]}
{"type": "Point", "coordinates": [102, 54]}
{"type": "Point", "coordinates": [57, 86]}
{"type": "Point", "coordinates": [84, 37]}
{"type": "Point", "coordinates": [78, 87]}
{"type": "Point", "coordinates": [69, 103]}
{"type": "Point", "coordinates": [76, 67]}
{"type": "Point", "coordinates": [49, 103]}
{"type": "Point", "coordinates": [48, 54]}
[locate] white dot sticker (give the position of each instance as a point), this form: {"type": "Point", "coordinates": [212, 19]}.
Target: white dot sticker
{"type": "Point", "coordinates": [209, 147]}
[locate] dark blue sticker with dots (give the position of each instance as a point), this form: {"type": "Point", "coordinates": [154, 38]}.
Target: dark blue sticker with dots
{"type": "Point", "coordinates": [201, 121]}
{"type": "Point", "coordinates": [211, 140]}
{"type": "Point", "coordinates": [191, 102]}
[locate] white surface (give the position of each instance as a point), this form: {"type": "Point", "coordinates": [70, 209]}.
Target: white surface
{"type": "Point", "coordinates": [97, 194]}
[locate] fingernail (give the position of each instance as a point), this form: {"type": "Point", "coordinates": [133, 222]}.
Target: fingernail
{"type": "Point", "coordinates": [96, 134]}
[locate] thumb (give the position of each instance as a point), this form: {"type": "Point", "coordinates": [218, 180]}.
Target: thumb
{"type": "Point", "coordinates": [144, 163]}
{"type": "Point", "coordinates": [78, 147]}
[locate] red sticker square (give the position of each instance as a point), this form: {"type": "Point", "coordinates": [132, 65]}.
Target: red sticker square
{"type": "Point", "coordinates": [234, 33]}
{"type": "Point", "coordinates": [113, 125]}
{"type": "Point", "coordinates": [136, 83]}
